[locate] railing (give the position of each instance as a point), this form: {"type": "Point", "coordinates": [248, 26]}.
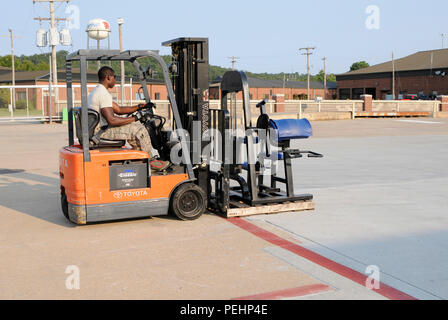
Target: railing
{"type": "Point", "coordinates": [405, 106]}
{"type": "Point", "coordinates": [36, 104]}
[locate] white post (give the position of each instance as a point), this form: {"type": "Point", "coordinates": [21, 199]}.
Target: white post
{"type": "Point", "coordinates": [27, 105]}
{"type": "Point", "coordinates": [42, 105]}
{"type": "Point", "coordinates": [398, 106]}
{"type": "Point", "coordinates": [319, 107]}
{"type": "Point", "coordinates": [12, 106]}
{"type": "Point", "coordinates": [130, 90]}
{"type": "Point", "coordinates": [353, 111]}
{"type": "Point", "coordinates": [300, 110]}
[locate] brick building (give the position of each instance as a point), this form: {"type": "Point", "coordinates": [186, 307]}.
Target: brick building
{"type": "Point", "coordinates": [291, 90]}
{"type": "Point", "coordinates": [40, 97]}
{"type": "Point", "coordinates": [259, 89]}
{"type": "Point", "coordinates": [424, 73]}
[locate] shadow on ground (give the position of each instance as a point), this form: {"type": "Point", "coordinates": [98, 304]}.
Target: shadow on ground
{"type": "Point", "coordinates": [32, 194]}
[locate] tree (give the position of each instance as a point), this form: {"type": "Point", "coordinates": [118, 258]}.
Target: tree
{"type": "Point", "coordinates": [4, 98]}
{"type": "Point", "coordinates": [320, 77]}
{"type": "Point", "coordinates": [359, 65]}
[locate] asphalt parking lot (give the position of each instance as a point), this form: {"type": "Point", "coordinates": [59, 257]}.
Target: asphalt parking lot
{"type": "Point", "coordinates": [381, 202]}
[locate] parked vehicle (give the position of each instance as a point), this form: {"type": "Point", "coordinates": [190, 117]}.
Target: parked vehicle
{"type": "Point", "coordinates": [410, 97]}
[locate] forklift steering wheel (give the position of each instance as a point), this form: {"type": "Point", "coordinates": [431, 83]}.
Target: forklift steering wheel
{"type": "Point", "coordinates": [149, 106]}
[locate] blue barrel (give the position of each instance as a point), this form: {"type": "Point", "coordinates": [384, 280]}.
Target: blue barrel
{"type": "Point", "coordinates": [290, 129]}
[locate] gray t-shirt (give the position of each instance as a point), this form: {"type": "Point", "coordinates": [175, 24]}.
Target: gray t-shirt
{"type": "Point", "coordinates": [98, 99]}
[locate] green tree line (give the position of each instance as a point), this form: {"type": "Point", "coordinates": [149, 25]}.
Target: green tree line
{"type": "Point", "coordinates": [41, 62]}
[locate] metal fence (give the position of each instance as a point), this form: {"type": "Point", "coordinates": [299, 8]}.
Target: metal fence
{"type": "Point", "coordinates": [35, 103]}
{"type": "Point", "coordinates": [41, 103]}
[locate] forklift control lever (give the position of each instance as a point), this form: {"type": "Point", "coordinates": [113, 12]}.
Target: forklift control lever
{"type": "Point", "coordinates": [261, 103]}
{"type": "Point", "coordinates": [295, 153]}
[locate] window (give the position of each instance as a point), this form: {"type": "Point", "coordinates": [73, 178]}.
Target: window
{"type": "Point", "coordinates": [21, 95]}
{"type": "Point", "coordinates": [344, 94]}
{"type": "Point", "coordinates": [157, 96]}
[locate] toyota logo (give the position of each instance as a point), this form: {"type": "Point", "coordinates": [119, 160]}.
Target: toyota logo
{"type": "Point", "coordinates": [118, 195]}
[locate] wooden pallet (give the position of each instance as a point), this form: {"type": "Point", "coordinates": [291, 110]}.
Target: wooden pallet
{"type": "Point", "coordinates": [243, 210]}
{"type": "Point", "coordinates": [392, 114]}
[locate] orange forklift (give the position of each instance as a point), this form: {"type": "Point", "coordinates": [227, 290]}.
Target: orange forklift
{"type": "Point", "coordinates": [102, 180]}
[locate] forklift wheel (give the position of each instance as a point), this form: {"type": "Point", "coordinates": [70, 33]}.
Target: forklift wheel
{"type": "Point", "coordinates": [64, 205]}
{"type": "Point", "coordinates": [188, 202]}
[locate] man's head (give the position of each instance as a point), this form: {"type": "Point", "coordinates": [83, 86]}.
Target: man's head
{"type": "Point", "coordinates": [106, 76]}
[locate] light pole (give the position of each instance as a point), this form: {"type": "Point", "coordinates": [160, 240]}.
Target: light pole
{"type": "Point", "coordinates": [307, 54]}
{"type": "Point", "coordinates": [13, 102]}
{"type": "Point", "coordinates": [120, 31]}
{"type": "Point", "coordinates": [325, 77]}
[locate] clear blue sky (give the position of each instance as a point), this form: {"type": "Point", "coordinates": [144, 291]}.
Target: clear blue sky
{"type": "Point", "coordinates": [266, 35]}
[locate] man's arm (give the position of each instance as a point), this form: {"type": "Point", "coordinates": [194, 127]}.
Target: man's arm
{"type": "Point", "coordinates": [114, 121]}
{"type": "Point", "coordinates": [125, 110]}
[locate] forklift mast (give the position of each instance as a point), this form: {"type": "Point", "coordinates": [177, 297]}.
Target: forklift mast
{"type": "Point", "coordinates": [190, 74]}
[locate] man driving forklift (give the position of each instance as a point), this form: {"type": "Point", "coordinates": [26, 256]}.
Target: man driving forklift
{"type": "Point", "coordinates": [114, 127]}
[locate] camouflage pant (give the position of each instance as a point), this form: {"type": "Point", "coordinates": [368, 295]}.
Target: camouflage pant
{"type": "Point", "coordinates": [134, 133]}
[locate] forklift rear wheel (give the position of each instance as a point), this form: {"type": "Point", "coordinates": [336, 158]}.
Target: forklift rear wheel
{"type": "Point", "coordinates": [64, 205]}
{"type": "Point", "coordinates": [188, 202]}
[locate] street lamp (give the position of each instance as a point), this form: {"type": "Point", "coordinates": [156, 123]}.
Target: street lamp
{"type": "Point", "coordinates": [120, 22]}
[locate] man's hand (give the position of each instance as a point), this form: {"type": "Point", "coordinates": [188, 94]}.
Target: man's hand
{"type": "Point", "coordinates": [138, 116]}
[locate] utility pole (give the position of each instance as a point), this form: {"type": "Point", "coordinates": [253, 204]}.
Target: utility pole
{"type": "Point", "coordinates": [13, 67]}
{"type": "Point", "coordinates": [325, 77]}
{"type": "Point", "coordinates": [52, 20]}
{"type": "Point", "coordinates": [120, 31]}
{"type": "Point", "coordinates": [308, 53]}
{"type": "Point", "coordinates": [284, 83]}
{"type": "Point", "coordinates": [393, 76]}
{"type": "Point", "coordinates": [234, 60]}
{"type": "Point", "coordinates": [443, 40]}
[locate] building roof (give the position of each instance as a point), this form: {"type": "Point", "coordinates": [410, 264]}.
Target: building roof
{"type": "Point", "coordinates": [260, 83]}
{"type": "Point", "coordinates": [423, 60]}
{"type": "Point", "coordinates": [4, 70]}
{"type": "Point", "coordinates": [32, 76]}
{"type": "Point", "coordinates": [22, 76]}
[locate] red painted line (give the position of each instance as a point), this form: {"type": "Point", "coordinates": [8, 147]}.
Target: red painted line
{"type": "Point", "coordinates": [288, 293]}
{"type": "Point", "coordinates": [385, 290]}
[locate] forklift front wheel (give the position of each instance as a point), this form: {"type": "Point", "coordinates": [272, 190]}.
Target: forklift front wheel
{"type": "Point", "coordinates": [188, 202]}
{"type": "Point", "coordinates": [64, 205]}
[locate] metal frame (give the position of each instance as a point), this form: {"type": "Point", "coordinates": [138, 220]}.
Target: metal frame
{"type": "Point", "coordinates": [190, 73]}
{"type": "Point", "coordinates": [253, 192]}
{"type": "Point", "coordinates": [115, 55]}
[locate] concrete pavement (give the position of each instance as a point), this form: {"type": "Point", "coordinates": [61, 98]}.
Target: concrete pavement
{"type": "Point", "coordinates": [380, 194]}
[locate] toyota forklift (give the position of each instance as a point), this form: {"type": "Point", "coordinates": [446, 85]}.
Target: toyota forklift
{"type": "Point", "coordinates": [103, 180]}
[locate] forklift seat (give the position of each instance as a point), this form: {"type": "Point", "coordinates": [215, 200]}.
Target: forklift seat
{"type": "Point", "coordinates": [94, 119]}
{"type": "Point", "coordinates": [291, 129]}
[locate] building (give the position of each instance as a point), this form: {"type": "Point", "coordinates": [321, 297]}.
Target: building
{"type": "Point", "coordinates": [40, 96]}
{"type": "Point", "coordinates": [424, 73]}
{"type": "Point", "coordinates": [291, 90]}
